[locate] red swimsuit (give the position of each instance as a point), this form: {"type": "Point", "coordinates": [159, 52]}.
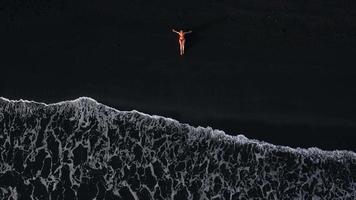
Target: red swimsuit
{"type": "Point", "coordinates": [181, 37]}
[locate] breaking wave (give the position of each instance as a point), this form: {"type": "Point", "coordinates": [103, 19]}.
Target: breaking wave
{"type": "Point", "coordinates": [82, 149]}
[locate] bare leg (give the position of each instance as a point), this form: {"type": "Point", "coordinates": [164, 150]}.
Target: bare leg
{"type": "Point", "coordinates": [181, 43]}
{"type": "Point", "coordinates": [183, 47]}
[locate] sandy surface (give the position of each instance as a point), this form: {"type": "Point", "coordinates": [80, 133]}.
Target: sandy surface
{"type": "Point", "coordinates": [281, 72]}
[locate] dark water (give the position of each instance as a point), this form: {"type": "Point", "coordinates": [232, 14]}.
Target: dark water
{"type": "Point", "coordinates": [85, 150]}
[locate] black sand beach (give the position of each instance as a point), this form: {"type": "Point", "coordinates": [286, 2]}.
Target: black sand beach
{"type": "Point", "coordinates": [282, 72]}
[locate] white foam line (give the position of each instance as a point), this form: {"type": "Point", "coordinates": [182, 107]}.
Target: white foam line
{"type": "Point", "coordinates": [215, 133]}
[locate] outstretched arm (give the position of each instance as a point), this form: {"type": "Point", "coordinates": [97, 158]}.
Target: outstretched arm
{"type": "Point", "coordinates": [188, 32]}
{"type": "Point", "coordinates": [175, 31]}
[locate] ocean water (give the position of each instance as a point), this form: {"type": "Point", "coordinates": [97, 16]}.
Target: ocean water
{"type": "Point", "coordinates": [82, 149]}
